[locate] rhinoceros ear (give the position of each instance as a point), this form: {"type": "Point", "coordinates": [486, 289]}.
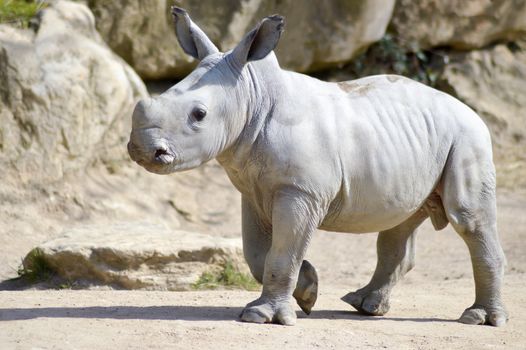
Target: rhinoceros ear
{"type": "Point", "coordinates": [259, 41]}
{"type": "Point", "coordinates": [191, 38]}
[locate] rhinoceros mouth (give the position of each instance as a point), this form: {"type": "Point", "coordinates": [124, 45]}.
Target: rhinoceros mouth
{"type": "Point", "coordinates": [160, 167]}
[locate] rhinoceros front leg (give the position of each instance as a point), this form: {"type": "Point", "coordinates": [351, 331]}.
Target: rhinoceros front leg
{"type": "Point", "coordinates": [396, 254]}
{"type": "Point", "coordinates": [257, 240]}
{"type": "Point", "coordinates": [294, 219]}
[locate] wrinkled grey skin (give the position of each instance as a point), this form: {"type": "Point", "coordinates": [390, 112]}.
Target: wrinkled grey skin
{"type": "Point", "coordinates": [382, 153]}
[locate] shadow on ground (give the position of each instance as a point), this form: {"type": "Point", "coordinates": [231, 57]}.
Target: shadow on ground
{"type": "Point", "coordinates": [186, 313]}
{"type": "Point", "coordinates": [18, 283]}
{"type": "Point", "coordinates": [356, 316]}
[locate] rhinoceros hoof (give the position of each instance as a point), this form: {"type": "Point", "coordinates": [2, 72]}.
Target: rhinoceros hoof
{"type": "Point", "coordinates": [306, 291]}
{"type": "Point", "coordinates": [478, 314]}
{"type": "Point", "coordinates": [306, 298]}
{"type": "Point", "coordinates": [373, 303]}
{"type": "Point", "coordinates": [260, 311]}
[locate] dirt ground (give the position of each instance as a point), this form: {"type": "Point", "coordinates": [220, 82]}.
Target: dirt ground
{"type": "Point", "coordinates": [421, 318]}
{"type": "Point", "coordinates": [424, 305]}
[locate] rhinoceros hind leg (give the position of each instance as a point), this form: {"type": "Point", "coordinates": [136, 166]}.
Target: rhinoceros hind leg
{"type": "Point", "coordinates": [374, 303]}
{"type": "Point", "coordinates": [488, 268]}
{"type": "Point", "coordinates": [470, 201]}
{"type": "Point", "coordinates": [396, 254]}
{"type": "Point", "coordinates": [306, 291]}
{"type": "Point", "coordinates": [478, 314]}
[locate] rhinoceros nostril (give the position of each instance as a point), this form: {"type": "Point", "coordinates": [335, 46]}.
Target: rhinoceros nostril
{"type": "Point", "coordinates": [160, 152]}
{"type": "Point", "coordinates": [163, 156]}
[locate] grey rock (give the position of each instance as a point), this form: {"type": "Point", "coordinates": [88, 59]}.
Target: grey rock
{"type": "Point", "coordinates": [65, 96]}
{"type": "Point", "coordinates": [137, 256]}
{"type": "Point", "coordinates": [493, 81]}
{"type": "Point", "coordinates": [458, 24]}
{"type": "Point", "coordinates": [318, 34]}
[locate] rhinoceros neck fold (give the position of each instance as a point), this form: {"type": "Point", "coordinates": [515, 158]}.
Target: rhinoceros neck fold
{"type": "Point", "coordinates": [260, 82]}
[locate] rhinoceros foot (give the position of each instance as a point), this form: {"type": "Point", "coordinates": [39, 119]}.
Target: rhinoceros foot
{"type": "Point", "coordinates": [478, 314]}
{"type": "Point", "coordinates": [264, 311]}
{"type": "Point", "coordinates": [375, 303]}
{"type": "Point", "coordinates": [306, 291]}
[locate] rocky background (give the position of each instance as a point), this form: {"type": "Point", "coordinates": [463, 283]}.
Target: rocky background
{"type": "Point", "coordinates": [70, 76]}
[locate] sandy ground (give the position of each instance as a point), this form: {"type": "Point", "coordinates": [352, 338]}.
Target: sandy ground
{"type": "Point", "coordinates": [421, 318]}
{"type": "Point", "coordinates": [424, 305]}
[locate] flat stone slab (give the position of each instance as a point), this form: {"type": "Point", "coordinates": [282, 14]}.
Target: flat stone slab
{"type": "Point", "coordinates": [137, 256]}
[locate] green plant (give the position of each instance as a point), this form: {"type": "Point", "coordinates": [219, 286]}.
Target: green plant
{"type": "Point", "coordinates": [68, 284]}
{"type": "Point", "coordinates": [35, 267]}
{"type": "Point", "coordinates": [19, 12]}
{"type": "Point", "coordinates": [228, 277]}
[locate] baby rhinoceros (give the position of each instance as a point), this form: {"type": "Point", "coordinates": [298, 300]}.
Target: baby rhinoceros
{"type": "Point", "coordinates": [382, 153]}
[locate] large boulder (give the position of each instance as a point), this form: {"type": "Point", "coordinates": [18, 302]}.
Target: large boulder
{"type": "Point", "coordinates": [141, 32]}
{"type": "Point", "coordinates": [493, 82]}
{"type": "Point", "coordinates": [66, 98]}
{"type": "Point", "coordinates": [459, 24]}
{"type": "Point", "coordinates": [322, 34]}
{"type": "Point", "coordinates": [135, 256]}
{"type": "Point", "coordinates": [318, 34]}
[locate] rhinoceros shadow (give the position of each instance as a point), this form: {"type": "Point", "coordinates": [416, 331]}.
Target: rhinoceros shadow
{"type": "Point", "coordinates": [356, 316]}
{"type": "Point", "coordinates": [185, 313]}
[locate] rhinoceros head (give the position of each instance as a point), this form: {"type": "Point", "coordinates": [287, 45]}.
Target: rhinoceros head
{"type": "Point", "coordinates": [204, 114]}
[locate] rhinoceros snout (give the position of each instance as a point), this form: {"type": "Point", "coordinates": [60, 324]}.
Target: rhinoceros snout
{"type": "Point", "coordinates": [154, 159]}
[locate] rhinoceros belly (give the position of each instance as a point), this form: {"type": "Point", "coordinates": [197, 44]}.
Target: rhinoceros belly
{"type": "Point", "coordinates": [393, 150]}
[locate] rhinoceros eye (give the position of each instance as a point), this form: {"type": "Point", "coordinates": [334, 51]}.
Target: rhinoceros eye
{"type": "Point", "coordinates": [198, 114]}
